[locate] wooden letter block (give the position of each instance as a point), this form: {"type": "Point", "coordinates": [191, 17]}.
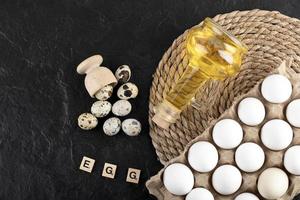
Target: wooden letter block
{"type": "Point", "coordinates": [109, 170]}
{"type": "Point", "coordinates": [133, 175]}
{"type": "Point", "coordinates": [87, 164]}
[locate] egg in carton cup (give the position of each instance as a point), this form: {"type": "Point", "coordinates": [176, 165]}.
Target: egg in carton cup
{"type": "Point", "coordinates": [249, 153]}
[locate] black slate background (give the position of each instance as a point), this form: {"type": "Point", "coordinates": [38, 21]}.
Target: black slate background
{"type": "Point", "coordinates": [41, 42]}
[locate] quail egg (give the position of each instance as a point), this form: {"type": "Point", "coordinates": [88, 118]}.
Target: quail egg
{"type": "Point", "coordinates": [101, 108]}
{"type": "Point", "coordinates": [128, 91]}
{"type": "Point", "coordinates": [121, 108]}
{"type": "Point", "coordinates": [104, 93]}
{"type": "Point", "coordinates": [123, 73]}
{"type": "Point", "coordinates": [87, 121]}
{"type": "Point", "coordinates": [112, 126]}
{"type": "Point", "coordinates": [131, 127]}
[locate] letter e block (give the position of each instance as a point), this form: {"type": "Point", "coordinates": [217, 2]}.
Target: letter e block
{"type": "Point", "coordinates": [87, 164]}
{"type": "Point", "coordinates": [133, 175]}
{"type": "Point", "coordinates": [109, 170]}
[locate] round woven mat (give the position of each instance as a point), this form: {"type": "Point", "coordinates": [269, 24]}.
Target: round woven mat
{"type": "Point", "coordinates": [271, 38]}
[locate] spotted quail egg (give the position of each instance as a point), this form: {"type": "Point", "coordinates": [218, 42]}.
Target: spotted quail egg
{"type": "Point", "coordinates": [131, 127]}
{"type": "Point", "coordinates": [128, 91]}
{"type": "Point", "coordinates": [112, 126]}
{"type": "Point", "coordinates": [104, 93]}
{"type": "Point", "coordinates": [101, 108]}
{"type": "Point", "coordinates": [121, 108]}
{"type": "Point", "coordinates": [87, 121]}
{"type": "Point", "coordinates": [123, 73]}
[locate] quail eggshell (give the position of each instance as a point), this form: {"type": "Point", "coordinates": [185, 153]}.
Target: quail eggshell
{"type": "Point", "coordinates": [293, 113]}
{"type": "Point", "coordinates": [226, 179]}
{"type": "Point", "coordinates": [101, 108]}
{"type": "Point", "coordinates": [123, 73]}
{"type": "Point", "coordinates": [246, 196]}
{"type": "Point", "coordinates": [199, 194]}
{"type": "Point", "coordinates": [291, 160]}
{"type": "Point", "coordinates": [104, 93]}
{"type": "Point", "coordinates": [131, 127]}
{"type": "Point", "coordinates": [276, 134]}
{"type": "Point", "coordinates": [203, 156]}
{"type": "Point", "coordinates": [276, 88]}
{"type": "Point", "coordinates": [227, 133]}
{"type": "Point", "coordinates": [112, 126]}
{"type": "Point", "coordinates": [128, 91]}
{"type": "Point", "coordinates": [249, 157]}
{"type": "Point", "coordinates": [178, 179]}
{"type": "Point", "coordinates": [272, 183]}
{"type": "Point", "coordinates": [251, 111]}
{"type": "Point", "coordinates": [87, 121]}
{"type": "Point", "coordinates": [121, 108]}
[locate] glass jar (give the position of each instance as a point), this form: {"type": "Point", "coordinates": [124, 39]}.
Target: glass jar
{"type": "Point", "coordinates": [213, 53]}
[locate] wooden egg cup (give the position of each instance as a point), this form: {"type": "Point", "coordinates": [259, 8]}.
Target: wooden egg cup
{"type": "Point", "coordinates": [96, 76]}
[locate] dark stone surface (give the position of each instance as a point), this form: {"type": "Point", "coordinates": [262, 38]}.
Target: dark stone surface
{"type": "Point", "coordinates": [41, 94]}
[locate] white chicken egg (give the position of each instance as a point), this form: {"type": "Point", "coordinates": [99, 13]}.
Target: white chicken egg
{"type": "Point", "coordinates": [203, 156]}
{"type": "Point", "coordinates": [276, 88]}
{"type": "Point", "coordinates": [276, 134]}
{"type": "Point", "coordinates": [272, 183]}
{"type": "Point", "coordinates": [251, 111]}
{"type": "Point", "coordinates": [178, 179]}
{"type": "Point", "coordinates": [227, 133]}
{"type": "Point", "coordinates": [199, 194]}
{"type": "Point", "coordinates": [246, 196]}
{"type": "Point", "coordinates": [249, 157]}
{"type": "Point", "coordinates": [226, 179]}
{"type": "Point", "coordinates": [291, 160]}
{"type": "Point", "coordinates": [293, 113]}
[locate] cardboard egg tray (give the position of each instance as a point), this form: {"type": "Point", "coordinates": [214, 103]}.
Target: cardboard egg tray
{"type": "Point", "coordinates": [251, 134]}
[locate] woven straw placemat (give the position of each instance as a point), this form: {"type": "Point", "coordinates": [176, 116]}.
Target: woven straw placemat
{"type": "Point", "coordinates": [271, 38]}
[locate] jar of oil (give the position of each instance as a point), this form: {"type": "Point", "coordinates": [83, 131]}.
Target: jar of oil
{"type": "Point", "coordinates": [213, 53]}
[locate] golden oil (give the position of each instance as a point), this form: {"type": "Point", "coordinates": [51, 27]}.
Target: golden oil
{"type": "Point", "coordinates": [213, 53]}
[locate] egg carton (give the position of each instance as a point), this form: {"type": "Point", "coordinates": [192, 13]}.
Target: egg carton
{"type": "Point", "coordinates": [251, 134]}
